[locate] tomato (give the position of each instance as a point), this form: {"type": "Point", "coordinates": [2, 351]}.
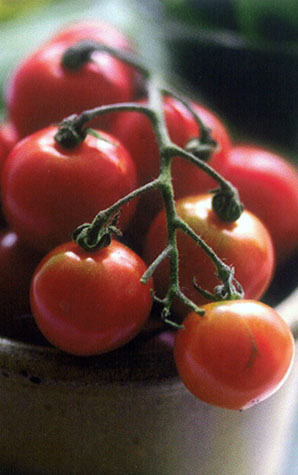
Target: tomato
{"type": "Point", "coordinates": [42, 91]}
{"type": "Point", "coordinates": [8, 138]}
{"type": "Point", "coordinates": [245, 244]}
{"type": "Point", "coordinates": [87, 303]}
{"type": "Point", "coordinates": [268, 186]}
{"type": "Point", "coordinates": [236, 355]}
{"type": "Point", "coordinates": [49, 190]}
{"type": "Point", "coordinates": [141, 143]}
{"type": "Point", "coordinates": [17, 264]}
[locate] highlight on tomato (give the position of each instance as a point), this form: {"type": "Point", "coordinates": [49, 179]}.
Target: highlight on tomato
{"type": "Point", "coordinates": [48, 190]}
{"type": "Point", "coordinates": [268, 186]}
{"type": "Point", "coordinates": [236, 355]}
{"type": "Point", "coordinates": [43, 91]}
{"type": "Point", "coordinates": [88, 303]}
{"type": "Point", "coordinates": [244, 244]}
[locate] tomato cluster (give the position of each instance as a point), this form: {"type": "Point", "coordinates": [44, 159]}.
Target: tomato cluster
{"type": "Point", "coordinates": [87, 301]}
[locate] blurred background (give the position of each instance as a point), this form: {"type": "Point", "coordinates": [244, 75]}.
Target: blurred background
{"type": "Point", "coordinates": [240, 57]}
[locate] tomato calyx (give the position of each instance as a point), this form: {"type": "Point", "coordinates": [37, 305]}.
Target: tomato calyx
{"type": "Point", "coordinates": [78, 54]}
{"type": "Point", "coordinates": [68, 135]}
{"type": "Point", "coordinates": [229, 289]}
{"type": "Point", "coordinates": [226, 204]}
{"type": "Point", "coordinates": [96, 235]}
{"type": "Point", "coordinates": [202, 148]}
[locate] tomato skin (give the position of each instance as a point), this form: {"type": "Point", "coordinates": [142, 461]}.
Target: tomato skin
{"type": "Point", "coordinates": [236, 355]}
{"type": "Point", "coordinates": [268, 186]}
{"type": "Point", "coordinates": [48, 190]}
{"type": "Point", "coordinates": [245, 244]}
{"type": "Point", "coordinates": [42, 92]}
{"type": "Point", "coordinates": [90, 303]}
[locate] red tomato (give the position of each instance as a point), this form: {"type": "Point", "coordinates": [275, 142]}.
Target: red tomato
{"type": "Point", "coordinates": [245, 244]}
{"type": "Point", "coordinates": [49, 190]}
{"type": "Point", "coordinates": [90, 303]}
{"type": "Point", "coordinates": [268, 186]}
{"type": "Point", "coordinates": [17, 264]}
{"type": "Point", "coordinates": [8, 138]}
{"type": "Point", "coordinates": [238, 354]}
{"type": "Point", "coordinates": [42, 92]}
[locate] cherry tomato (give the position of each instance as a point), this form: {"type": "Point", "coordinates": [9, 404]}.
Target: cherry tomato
{"type": "Point", "coordinates": [245, 244]}
{"type": "Point", "coordinates": [42, 91]}
{"type": "Point", "coordinates": [49, 190]}
{"type": "Point", "coordinates": [90, 303]}
{"type": "Point", "coordinates": [268, 186]}
{"type": "Point", "coordinates": [17, 264]}
{"type": "Point", "coordinates": [236, 355]}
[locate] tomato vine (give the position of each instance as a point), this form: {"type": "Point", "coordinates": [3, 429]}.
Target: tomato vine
{"type": "Point", "coordinates": [226, 203]}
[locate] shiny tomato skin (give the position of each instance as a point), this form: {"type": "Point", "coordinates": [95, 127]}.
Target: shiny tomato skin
{"type": "Point", "coordinates": [42, 92]}
{"type": "Point", "coordinates": [90, 303]}
{"type": "Point", "coordinates": [49, 190]}
{"type": "Point", "coordinates": [236, 355]}
{"type": "Point", "coordinates": [245, 244]}
{"type": "Point", "coordinates": [268, 186]}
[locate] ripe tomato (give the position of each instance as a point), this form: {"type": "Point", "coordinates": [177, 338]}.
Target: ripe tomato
{"type": "Point", "coordinates": [268, 186]}
{"type": "Point", "coordinates": [42, 92]}
{"type": "Point", "coordinates": [90, 303]}
{"type": "Point", "coordinates": [49, 190]}
{"type": "Point", "coordinates": [245, 244]}
{"type": "Point", "coordinates": [17, 263]}
{"type": "Point", "coordinates": [236, 355]}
